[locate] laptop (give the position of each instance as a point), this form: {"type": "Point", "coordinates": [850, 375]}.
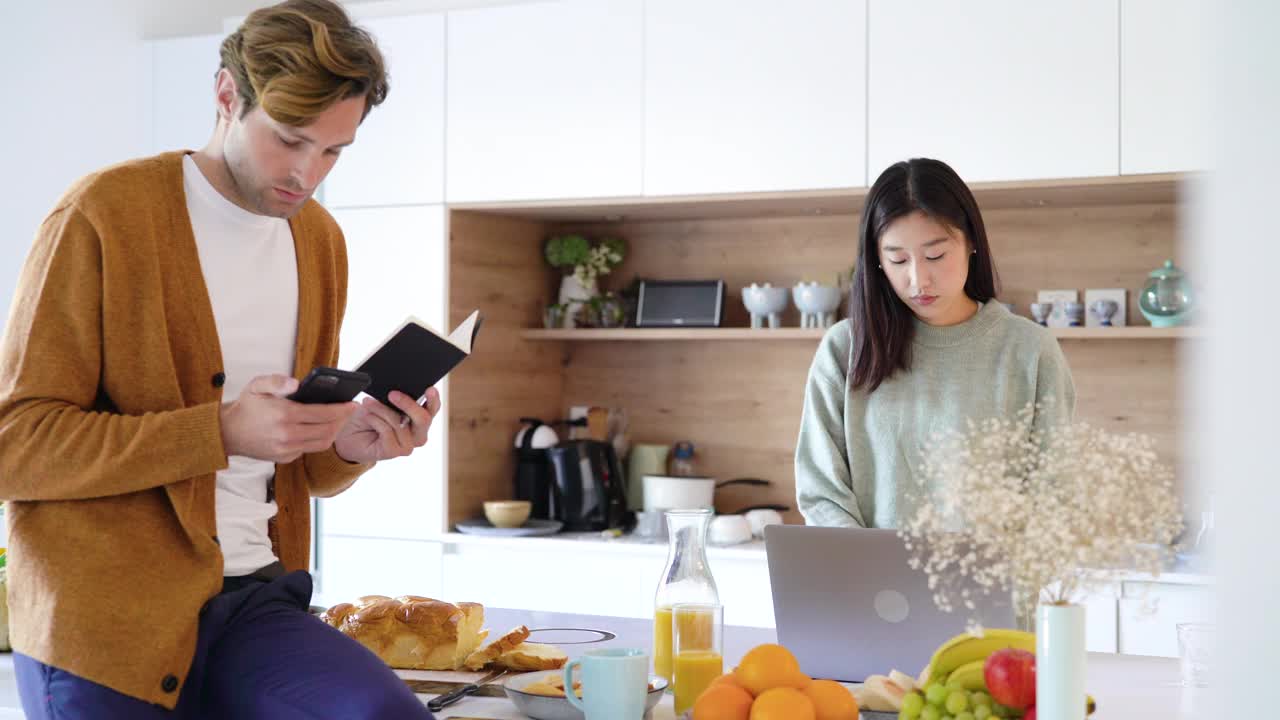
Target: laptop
{"type": "Point", "coordinates": [848, 605]}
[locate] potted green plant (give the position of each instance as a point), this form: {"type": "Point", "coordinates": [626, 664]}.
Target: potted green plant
{"type": "Point", "coordinates": [582, 263]}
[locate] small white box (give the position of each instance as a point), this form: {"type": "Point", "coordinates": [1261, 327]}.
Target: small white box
{"type": "Point", "coordinates": [1120, 295]}
{"type": "Point", "coordinates": [1058, 318]}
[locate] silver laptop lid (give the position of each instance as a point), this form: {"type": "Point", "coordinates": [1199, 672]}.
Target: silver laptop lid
{"type": "Point", "coordinates": [848, 605]}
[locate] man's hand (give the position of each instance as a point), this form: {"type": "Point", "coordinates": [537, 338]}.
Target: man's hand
{"type": "Point", "coordinates": [376, 432]}
{"type": "Point", "coordinates": [262, 424]}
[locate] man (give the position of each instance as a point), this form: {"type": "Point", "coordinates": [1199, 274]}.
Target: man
{"type": "Point", "coordinates": [158, 479]}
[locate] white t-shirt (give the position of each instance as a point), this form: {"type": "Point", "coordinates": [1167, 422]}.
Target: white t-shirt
{"type": "Point", "coordinates": [251, 272]}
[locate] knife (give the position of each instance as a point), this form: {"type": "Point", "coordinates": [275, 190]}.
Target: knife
{"type": "Point", "coordinates": [444, 701]}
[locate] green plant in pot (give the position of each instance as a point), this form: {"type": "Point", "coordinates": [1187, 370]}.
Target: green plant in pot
{"type": "Point", "coordinates": [582, 263]}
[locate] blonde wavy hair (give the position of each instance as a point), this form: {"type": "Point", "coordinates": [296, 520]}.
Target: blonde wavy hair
{"type": "Point", "coordinates": [299, 57]}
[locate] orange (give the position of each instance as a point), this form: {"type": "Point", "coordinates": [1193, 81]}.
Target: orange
{"type": "Point", "coordinates": [769, 666]}
{"type": "Point", "coordinates": [782, 703]}
{"type": "Point", "coordinates": [723, 701]}
{"type": "Point", "coordinates": [832, 701]}
{"type": "Point", "coordinates": [727, 679]}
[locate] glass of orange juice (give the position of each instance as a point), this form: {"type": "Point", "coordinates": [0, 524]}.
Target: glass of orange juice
{"type": "Point", "coordinates": [697, 643]}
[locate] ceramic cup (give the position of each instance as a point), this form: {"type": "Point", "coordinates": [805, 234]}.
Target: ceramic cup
{"type": "Point", "coordinates": [1104, 310]}
{"type": "Point", "coordinates": [645, 459]}
{"type": "Point", "coordinates": [1040, 312]}
{"type": "Point", "coordinates": [1074, 312]}
{"type": "Point", "coordinates": [615, 683]}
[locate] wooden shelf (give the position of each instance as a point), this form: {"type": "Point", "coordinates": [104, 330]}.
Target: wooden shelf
{"type": "Point", "coordinates": [739, 334]}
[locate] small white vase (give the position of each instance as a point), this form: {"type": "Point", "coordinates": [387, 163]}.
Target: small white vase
{"type": "Point", "coordinates": [1060, 662]}
{"type": "Point", "coordinates": [572, 295]}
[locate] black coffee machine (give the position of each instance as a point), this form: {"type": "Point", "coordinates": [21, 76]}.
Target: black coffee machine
{"type": "Point", "coordinates": [588, 492]}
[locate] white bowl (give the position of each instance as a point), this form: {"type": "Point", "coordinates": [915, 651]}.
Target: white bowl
{"type": "Point", "coordinates": [541, 707]}
{"type": "Point", "coordinates": [815, 298]}
{"type": "Point", "coordinates": [764, 299]}
{"type": "Point", "coordinates": [729, 530]}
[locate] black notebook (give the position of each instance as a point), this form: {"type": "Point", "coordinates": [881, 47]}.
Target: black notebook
{"type": "Point", "coordinates": [415, 357]}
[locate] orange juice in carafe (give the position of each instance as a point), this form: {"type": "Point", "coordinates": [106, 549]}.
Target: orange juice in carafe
{"type": "Point", "coordinates": [694, 670]}
{"type": "Point", "coordinates": [685, 579]}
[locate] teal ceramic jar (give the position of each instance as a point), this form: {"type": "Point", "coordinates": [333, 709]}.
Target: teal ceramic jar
{"type": "Point", "coordinates": [1165, 301]}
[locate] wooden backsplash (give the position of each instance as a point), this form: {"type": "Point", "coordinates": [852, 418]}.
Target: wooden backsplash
{"type": "Point", "coordinates": [740, 401]}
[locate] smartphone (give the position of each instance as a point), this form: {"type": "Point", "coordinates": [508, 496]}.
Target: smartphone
{"type": "Point", "coordinates": [330, 385]}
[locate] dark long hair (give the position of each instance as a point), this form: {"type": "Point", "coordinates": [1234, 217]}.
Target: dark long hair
{"type": "Point", "coordinates": [882, 325]}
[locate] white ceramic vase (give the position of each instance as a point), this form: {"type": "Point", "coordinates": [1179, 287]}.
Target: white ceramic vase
{"type": "Point", "coordinates": [572, 295]}
{"type": "Point", "coordinates": [1060, 662]}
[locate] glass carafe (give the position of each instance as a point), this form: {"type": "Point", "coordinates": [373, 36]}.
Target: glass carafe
{"type": "Point", "coordinates": [686, 579]}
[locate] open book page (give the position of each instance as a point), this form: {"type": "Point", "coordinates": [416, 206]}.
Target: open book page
{"type": "Point", "coordinates": [465, 334]}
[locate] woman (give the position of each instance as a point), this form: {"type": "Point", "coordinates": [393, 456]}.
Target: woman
{"type": "Point", "coordinates": [926, 348]}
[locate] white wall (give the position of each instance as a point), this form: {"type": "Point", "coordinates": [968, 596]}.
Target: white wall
{"type": "Point", "coordinates": [75, 92]}
{"type": "Point", "coordinates": [1236, 378]}
{"type": "Point", "coordinates": [173, 18]}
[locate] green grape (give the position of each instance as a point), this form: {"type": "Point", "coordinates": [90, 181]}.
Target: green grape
{"type": "Point", "coordinates": [981, 712]}
{"type": "Point", "coordinates": [966, 715]}
{"type": "Point", "coordinates": [948, 717]}
{"type": "Point", "coordinates": [912, 704]}
{"type": "Point", "coordinates": [930, 712]}
{"type": "Point", "coordinates": [1001, 711]}
{"type": "Point", "coordinates": [957, 702]}
{"type": "Point", "coordinates": [936, 693]}
{"type": "Point", "coordinates": [979, 698]}
{"type": "Point", "coordinates": [902, 715]}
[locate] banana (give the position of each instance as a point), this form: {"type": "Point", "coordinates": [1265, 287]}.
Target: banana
{"type": "Point", "coordinates": [881, 694]}
{"type": "Point", "coordinates": [968, 676]}
{"type": "Point", "coordinates": [902, 680]}
{"type": "Point", "coordinates": [965, 648]}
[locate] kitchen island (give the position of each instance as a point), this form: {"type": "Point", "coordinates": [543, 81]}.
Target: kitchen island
{"type": "Point", "coordinates": [1126, 686]}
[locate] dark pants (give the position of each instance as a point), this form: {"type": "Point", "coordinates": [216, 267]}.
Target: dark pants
{"type": "Point", "coordinates": [260, 654]}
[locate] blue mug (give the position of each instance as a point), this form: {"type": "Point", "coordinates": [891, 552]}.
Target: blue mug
{"type": "Point", "coordinates": [615, 683]}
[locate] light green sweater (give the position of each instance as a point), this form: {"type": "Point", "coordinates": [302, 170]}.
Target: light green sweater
{"type": "Point", "coordinates": [858, 453]}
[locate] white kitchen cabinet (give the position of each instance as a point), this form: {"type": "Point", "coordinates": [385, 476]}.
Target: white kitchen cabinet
{"type": "Point", "coordinates": [1151, 611]}
{"type": "Point", "coordinates": [545, 101]}
{"type": "Point", "coordinates": [998, 89]}
{"type": "Point", "coordinates": [1163, 86]}
{"type": "Point", "coordinates": [183, 74]}
{"type": "Point", "coordinates": [754, 96]}
{"type": "Point", "coordinates": [398, 156]}
{"type": "Point", "coordinates": [398, 266]}
{"type": "Point", "coordinates": [351, 567]}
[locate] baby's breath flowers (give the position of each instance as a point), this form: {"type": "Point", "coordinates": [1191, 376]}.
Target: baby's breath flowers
{"type": "Point", "coordinates": [1046, 514]}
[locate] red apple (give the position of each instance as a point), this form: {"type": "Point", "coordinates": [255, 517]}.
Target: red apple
{"type": "Point", "coordinates": [1031, 713]}
{"type": "Point", "coordinates": [1011, 677]}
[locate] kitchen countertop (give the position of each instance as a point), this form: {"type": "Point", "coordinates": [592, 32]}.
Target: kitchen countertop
{"type": "Point", "coordinates": [629, 544]}
{"type": "Point", "coordinates": [1125, 686]}
{"type": "Point", "coordinates": [634, 545]}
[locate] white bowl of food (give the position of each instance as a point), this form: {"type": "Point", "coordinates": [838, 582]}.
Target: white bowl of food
{"type": "Point", "coordinates": [540, 695]}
